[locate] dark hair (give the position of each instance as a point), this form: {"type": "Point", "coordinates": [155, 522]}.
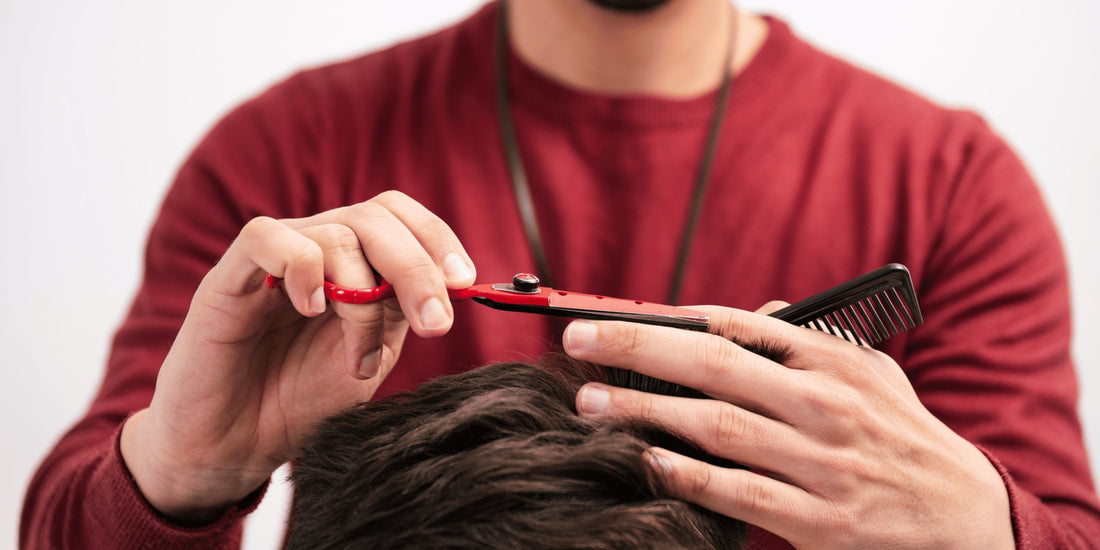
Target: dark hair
{"type": "Point", "coordinates": [491, 458]}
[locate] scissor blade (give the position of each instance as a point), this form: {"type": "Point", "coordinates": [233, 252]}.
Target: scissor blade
{"type": "Point", "coordinates": [587, 306]}
{"type": "Point", "coordinates": [694, 322]}
{"type": "Point", "coordinates": [544, 301]}
{"type": "Point", "coordinates": [618, 306]}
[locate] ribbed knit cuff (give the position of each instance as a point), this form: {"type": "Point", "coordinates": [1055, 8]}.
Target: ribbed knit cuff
{"type": "Point", "coordinates": [1030, 526]}
{"type": "Point", "coordinates": [127, 520]}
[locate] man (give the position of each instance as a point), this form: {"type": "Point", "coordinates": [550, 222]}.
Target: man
{"type": "Point", "coordinates": [650, 177]}
{"type": "Point", "coordinates": [491, 458]}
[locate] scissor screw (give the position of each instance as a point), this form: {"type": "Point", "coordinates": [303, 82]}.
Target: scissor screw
{"type": "Point", "coordinates": [525, 282]}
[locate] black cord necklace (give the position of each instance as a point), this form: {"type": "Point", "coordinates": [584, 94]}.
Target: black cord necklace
{"type": "Point", "coordinates": [519, 175]}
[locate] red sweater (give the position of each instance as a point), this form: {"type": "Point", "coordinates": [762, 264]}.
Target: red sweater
{"type": "Point", "coordinates": [823, 171]}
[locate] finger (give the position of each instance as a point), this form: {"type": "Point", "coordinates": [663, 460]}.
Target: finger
{"type": "Point", "coordinates": [778, 305]}
{"type": "Point", "coordinates": [772, 307]}
{"type": "Point", "coordinates": [362, 325]}
{"type": "Point", "coordinates": [719, 428]}
{"type": "Point", "coordinates": [823, 325]}
{"type": "Point", "coordinates": [768, 503]}
{"type": "Point", "coordinates": [808, 349]}
{"type": "Point", "coordinates": [268, 246]}
{"type": "Point", "coordinates": [434, 235]}
{"type": "Point", "coordinates": [794, 346]}
{"type": "Point", "coordinates": [859, 368]}
{"type": "Point", "coordinates": [709, 363]}
{"type": "Point", "coordinates": [752, 330]}
{"type": "Point", "coordinates": [393, 337]}
{"type": "Point", "coordinates": [392, 250]}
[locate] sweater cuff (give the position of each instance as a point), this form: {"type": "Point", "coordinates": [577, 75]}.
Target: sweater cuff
{"type": "Point", "coordinates": [1029, 521]}
{"type": "Point", "coordinates": [135, 523]}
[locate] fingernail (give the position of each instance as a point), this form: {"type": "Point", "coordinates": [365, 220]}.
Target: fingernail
{"type": "Point", "coordinates": [659, 462]}
{"type": "Point", "coordinates": [455, 268]}
{"type": "Point", "coordinates": [368, 366]}
{"type": "Point", "coordinates": [317, 300]}
{"type": "Point", "coordinates": [433, 316]}
{"type": "Point", "coordinates": [593, 399]}
{"type": "Point", "coordinates": [579, 335]}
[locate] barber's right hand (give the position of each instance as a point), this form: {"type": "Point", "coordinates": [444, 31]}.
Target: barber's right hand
{"type": "Point", "coordinates": [253, 369]}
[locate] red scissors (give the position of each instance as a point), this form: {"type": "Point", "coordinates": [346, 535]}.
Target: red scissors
{"type": "Point", "coordinates": [524, 294]}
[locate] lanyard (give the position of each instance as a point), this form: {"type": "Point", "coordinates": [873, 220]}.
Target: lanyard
{"type": "Point", "coordinates": [522, 188]}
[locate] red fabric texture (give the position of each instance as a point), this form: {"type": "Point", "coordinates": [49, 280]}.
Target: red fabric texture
{"type": "Point", "coordinates": [822, 172]}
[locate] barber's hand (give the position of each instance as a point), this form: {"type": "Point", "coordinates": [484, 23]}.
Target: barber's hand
{"type": "Point", "coordinates": [253, 369]}
{"type": "Point", "coordinates": [843, 454]}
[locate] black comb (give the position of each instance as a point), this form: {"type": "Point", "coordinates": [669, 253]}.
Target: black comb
{"type": "Point", "coordinates": [865, 311]}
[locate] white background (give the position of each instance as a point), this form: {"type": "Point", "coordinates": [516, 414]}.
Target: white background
{"type": "Point", "coordinates": [100, 101]}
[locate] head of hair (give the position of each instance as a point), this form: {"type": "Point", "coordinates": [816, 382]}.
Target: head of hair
{"type": "Point", "coordinates": [492, 458]}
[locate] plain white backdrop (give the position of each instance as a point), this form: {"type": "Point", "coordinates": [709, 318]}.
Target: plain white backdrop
{"type": "Point", "coordinates": [100, 102]}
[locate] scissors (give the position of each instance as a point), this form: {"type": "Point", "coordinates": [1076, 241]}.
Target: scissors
{"type": "Point", "coordinates": [524, 294]}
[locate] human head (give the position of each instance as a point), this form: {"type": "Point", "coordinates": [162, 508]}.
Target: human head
{"type": "Point", "coordinates": [491, 458]}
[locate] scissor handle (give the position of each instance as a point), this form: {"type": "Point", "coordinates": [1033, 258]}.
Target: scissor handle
{"type": "Point", "coordinates": [345, 295]}
{"type": "Point", "coordinates": [383, 291]}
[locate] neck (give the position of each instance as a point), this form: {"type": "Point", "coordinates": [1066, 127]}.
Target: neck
{"type": "Point", "coordinates": [677, 50]}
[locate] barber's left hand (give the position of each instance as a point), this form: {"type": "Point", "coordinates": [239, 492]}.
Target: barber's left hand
{"type": "Point", "coordinates": [842, 452]}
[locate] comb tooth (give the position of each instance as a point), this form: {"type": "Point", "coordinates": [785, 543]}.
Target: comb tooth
{"type": "Point", "coordinates": [869, 332]}
{"type": "Point", "coordinates": [886, 313]}
{"type": "Point", "coordinates": [842, 327]}
{"type": "Point", "coordinates": [815, 325]}
{"type": "Point", "coordinates": [850, 326]}
{"type": "Point", "coordinates": [828, 327]}
{"type": "Point", "coordinates": [833, 321]}
{"type": "Point", "coordinates": [855, 327]}
{"type": "Point", "coordinates": [904, 306]}
{"type": "Point", "coordinates": [897, 311]}
{"type": "Point", "coordinates": [884, 333]}
{"type": "Point", "coordinates": [873, 317]}
{"type": "Point", "coordinates": [865, 318]}
{"type": "Point", "coordinates": [877, 319]}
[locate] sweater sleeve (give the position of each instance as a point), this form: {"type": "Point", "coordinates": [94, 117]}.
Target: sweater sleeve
{"type": "Point", "coordinates": [253, 162]}
{"type": "Point", "coordinates": [993, 360]}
